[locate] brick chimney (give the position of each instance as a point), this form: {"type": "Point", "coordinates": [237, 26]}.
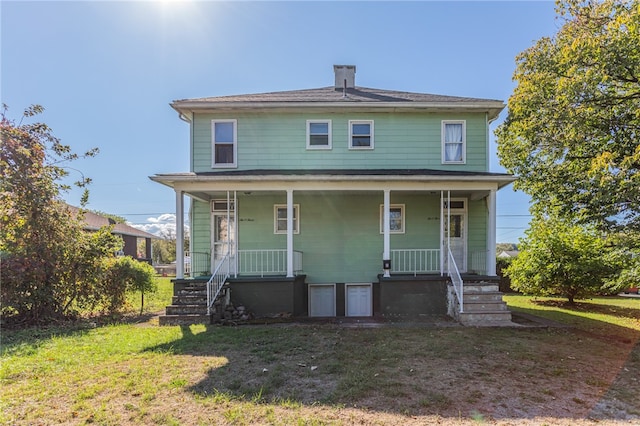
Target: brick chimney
{"type": "Point", "coordinates": [345, 73]}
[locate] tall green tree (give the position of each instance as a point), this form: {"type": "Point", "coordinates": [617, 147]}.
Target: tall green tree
{"type": "Point", "coordinates": [560, 258]}
{"type": "Point", "coordinates": [572, 133]}
{"type": "Point", "coordinates": [49, 264]}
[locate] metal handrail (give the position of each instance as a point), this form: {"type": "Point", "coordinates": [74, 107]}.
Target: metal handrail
{"type": "Point", "coordinates": [456, 279]}
{"type": "Point", "coordinates": [217, 280]}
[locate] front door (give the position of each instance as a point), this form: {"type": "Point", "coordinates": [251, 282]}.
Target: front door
{"type": "Point", "coordinates": [455, 233]}
{"type": "Point", "coordinates": [223, 237]}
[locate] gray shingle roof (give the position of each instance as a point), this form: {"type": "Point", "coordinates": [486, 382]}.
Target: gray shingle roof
{"type": "Point", "coordinates": [93, 222]}
{"type": "Point", "coordinates": [331, 94]}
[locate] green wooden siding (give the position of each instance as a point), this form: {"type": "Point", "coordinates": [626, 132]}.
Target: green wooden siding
{"type": "Point", "coordinates": [200, 228]}
{"type": "Point", "coordinates": [401, 140]}
{"type": "Point", "coordinates": [340, 231]}
{"type": "Point", "coordinates": [477, 218]}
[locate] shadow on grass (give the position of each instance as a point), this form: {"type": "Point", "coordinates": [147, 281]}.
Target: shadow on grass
{"type": "Point", "coordinates": [29, 339]}
{"type": "Point", "coordinates": [592, 307]}
{"type": "Point", "coordinates": [620, 397]}
{"type": "Point", "coordinates": [417, 371]}
{"type": "Point", "coordinates": [18, 337]}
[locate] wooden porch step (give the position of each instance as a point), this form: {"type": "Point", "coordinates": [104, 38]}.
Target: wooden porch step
{"type": "Point", "coordinates": [189, 299]}
{"type": "Point", "coordinates": [184, 309]}
{"type": "Point", "coordinates": [184, 319]}
{"type": "Point", "coordinates": [193, 291]}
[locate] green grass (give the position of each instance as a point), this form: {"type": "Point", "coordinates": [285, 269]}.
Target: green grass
{"type": "Point", "coordinates": [611, 314]}
{"type": "Point", "coordinates": [153, 302]}
{"type": "Point", "coordinates": [140, 373]}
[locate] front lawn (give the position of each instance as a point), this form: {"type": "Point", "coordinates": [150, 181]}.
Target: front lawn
{"type": "Point", "coordinates": [328, 374]}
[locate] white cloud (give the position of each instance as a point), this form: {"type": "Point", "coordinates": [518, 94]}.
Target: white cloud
{"type": "Point", "coordinates": [163, 225]}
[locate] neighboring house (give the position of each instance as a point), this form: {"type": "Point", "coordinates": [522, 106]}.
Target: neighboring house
{"type": "Point", "coordinates": [508, 253]}
{"type": "Point", "coordinates": [341, 201]}
{"type": "Point", "coordinates": [129, 234]}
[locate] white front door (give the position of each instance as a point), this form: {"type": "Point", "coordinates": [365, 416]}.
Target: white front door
{"type": "Point", "coordinates": [223, 237]}
{"type": "Point", "coordinates": [358, 300]}
{"type": "Point", "coordinates": [322, 300]}
{"type": "Point", "coordinates": [455, 233]}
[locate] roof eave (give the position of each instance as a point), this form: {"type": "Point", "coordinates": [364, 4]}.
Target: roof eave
{"type": "Point", "coordinates": [173, 180]}
{"type": "Point", "coordinates": [492, 108]}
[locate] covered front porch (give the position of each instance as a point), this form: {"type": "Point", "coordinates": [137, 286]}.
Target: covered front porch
{"type": "Point", "coordinates": [343, 229]}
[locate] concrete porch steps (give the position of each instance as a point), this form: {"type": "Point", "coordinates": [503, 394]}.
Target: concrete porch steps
{"type": "Point", "coordinates": [185, 309]}
{"type": "Point", "coordinates": [483, 306]}
{"type": "Point", "coordinates": [188, 304]}
{"type": "Point", "coordinates": [184, 319]}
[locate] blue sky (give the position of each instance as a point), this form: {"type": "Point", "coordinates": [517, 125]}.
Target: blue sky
{"type": "Point", "coordinates": [106, 72]}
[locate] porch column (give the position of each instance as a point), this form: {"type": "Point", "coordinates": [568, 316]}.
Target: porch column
{"type": "Point", "coordinates": [442, 254]}
{"type": "Point", "coordinates": [179, 234]}
{"type": "Point", "coordinates": [386, 230]}
{"type": "Point", "coordinates": [491, 234]}
{"type": "Point", "coordinates": [289, 233]}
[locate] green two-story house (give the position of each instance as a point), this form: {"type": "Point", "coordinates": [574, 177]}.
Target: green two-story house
{"type": "Point", "coordinates": [339, 201]}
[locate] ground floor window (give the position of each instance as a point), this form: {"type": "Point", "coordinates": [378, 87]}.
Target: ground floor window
{"type": "Point", "coordinates": [280, 219]}
{"type": "Point", "coordinates": [396, 218]}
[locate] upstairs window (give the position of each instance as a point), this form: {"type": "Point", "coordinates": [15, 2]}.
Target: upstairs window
{"type": "Point", "coordinates": [360, 134]}
{"type": "Point", "coordinates": [318, 134]}
{"type": "Point", "coordinates": [280, 219]}
{"type": "Point", "coordinates": [453, 142]}
{"type": "Point", "coordinates": [224, 134]}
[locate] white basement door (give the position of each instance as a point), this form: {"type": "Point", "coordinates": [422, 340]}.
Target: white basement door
{"type": "Point", "coordinates": [322, 300]}
{"type": "Point", "coordinates": [358, 300]}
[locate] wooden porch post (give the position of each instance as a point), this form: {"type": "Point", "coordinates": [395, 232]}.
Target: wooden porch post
{"type": "Point", "coordinates": [491, 234]}
{"type": "Point", "coordinates": [179, 235]}
{"type": "Point", "coordinates": [442, 233]}
{"type": "Point", "coordinates": [386, 229]}
{"type": "Point", "coordinates": [289, 233]}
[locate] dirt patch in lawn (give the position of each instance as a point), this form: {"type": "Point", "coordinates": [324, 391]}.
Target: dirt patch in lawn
{"type": "Point", "coordinates": [423, 371]}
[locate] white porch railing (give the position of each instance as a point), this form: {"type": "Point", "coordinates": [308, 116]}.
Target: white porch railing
{"type": "Point", "coordinates": [456, 279]}
{"type": "Point", "coordinates": [267, 262]}
{"type": "Point", "coordinates": [217, 280]}
{"type": "Point", "coordinates": [415, 261]}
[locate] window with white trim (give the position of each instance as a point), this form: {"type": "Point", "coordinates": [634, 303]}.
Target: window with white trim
{"type": "Point", "coordinates": [223, 140]}
{"type": "Point", "coordinates": [280, 219]}
{"type": "Point", "coordinates": [396, 218]}
{"type": "Point", "coordinates": [454, 142]}
{"type": "Point", "coordinates": [360, 134]}
{"type": "Point", "coordinates": [318, 134]}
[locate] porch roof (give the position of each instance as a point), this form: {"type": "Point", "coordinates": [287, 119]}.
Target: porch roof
{"type": "Point", "coordinates": [335, 179]}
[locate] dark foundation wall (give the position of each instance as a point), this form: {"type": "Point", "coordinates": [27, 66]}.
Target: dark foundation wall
{"type": "Point", "coordinates": [409, 296]}
{"type": "Point", "coordinates": [270, 297]}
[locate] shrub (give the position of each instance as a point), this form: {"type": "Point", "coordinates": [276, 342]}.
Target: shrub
{"type": "Point", "coordinates": [123, 275]}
